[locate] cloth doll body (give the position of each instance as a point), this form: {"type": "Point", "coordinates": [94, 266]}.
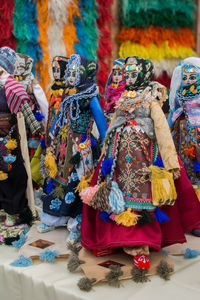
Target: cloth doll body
{"type": "Point", "coordinates": [38, 102]}
{"type": "Point", "coordinates": [13, 98]}
{"type": "Point", "coordinates": [123, 186]}
{"type": "Point", "coordinates": [73, 146]}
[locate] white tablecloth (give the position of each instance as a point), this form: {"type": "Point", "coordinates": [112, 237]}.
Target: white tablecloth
{"type": "Point", "coordinates": [44, 281]}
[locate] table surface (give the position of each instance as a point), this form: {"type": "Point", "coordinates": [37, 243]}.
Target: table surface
{"type": "Point", "coordinates": [45, 281]}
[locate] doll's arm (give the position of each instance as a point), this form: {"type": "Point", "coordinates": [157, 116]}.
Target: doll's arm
{"type": "Point", "coordinates": [30, 119]}
{"type": "Point", "coordinates": [41, 100]}
{"type": "Point", "coordinates": [98, 117]}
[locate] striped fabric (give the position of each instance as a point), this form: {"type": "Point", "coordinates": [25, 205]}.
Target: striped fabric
{"type": "Point", "coordinates": [15, 94]}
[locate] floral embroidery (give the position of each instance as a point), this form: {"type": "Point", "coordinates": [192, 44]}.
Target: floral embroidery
{"type": "Point", "coordinates": [69, 198]}
{"type": "Point", "coordinates": [55, 204]}
{"type": "Point", "coordinates": [62, 150]}
{"type": "Point", "coordinates": [63, 132]}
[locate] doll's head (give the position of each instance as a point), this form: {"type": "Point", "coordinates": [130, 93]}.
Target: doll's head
{"type": "Point", "coordinates": [190, 75]}
{"type": "Point", "coordinates": [117, 73]}
{"type": "Point", "coordinates": [23, 65]}
{"type": "Point", "coordinates": [80, 71]}
{"type": "Point", "coordinates": [59, 65]}
{"type": "Point", "coordinates": [138, 72]}
{"type": "Point", "coordinates": [7, 59]}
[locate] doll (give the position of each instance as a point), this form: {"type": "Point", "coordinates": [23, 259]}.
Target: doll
{"type": "Point", "coordinates": [184, 118]}
{"type": "Point", "coordinates": [127, 190]}
{"type": "Point", "coordinates": [13, 176]}
{"type": "Point", "coordinates": [115, 86]}
{"type": "Point", "coordinates": [38, 103]}
{"type": "Point", "coordinates": [73, 147]}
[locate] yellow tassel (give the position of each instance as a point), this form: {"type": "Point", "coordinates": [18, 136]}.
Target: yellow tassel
{"type": "Point", "coordinates": [163, 188]}
{"type": "Point", "coordinates": [197, 191]}
{"type": "Point", "coordinates": [51, 165]}
{"type": "Point", "coordinates": [3, 176]}
{"type": "Point", "coordinates": [11, 144]}
{"type": "Point", "coordinates": [84, 183]}
{"type": "Point", "coordinates": [127, 218]}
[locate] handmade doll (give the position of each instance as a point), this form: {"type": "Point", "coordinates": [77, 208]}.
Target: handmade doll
{"type": "Point", "coordinates": [115, 86]}
{"type": "Point", "coordinates": [122, 204]}
{"type": "Point", "coordinates": [38, 103]}
{"type": "Point", "coordinates": [13, 176]}
{"type": "Point", "coordinates": [184, 118]}
{"type": "Point", "coordinates": [73, 152]}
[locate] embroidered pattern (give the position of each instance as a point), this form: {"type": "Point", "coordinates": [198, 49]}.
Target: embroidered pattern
{"type": "Point", "coordinates": [55, 204]}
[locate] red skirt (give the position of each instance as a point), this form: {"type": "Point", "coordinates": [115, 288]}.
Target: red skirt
{"type": "Point", "coordinates": [184, 216]}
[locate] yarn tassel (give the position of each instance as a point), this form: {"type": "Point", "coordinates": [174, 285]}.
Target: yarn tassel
{"type": "Point", "coordinates": [161, 216]}
{"type": "Point", "coordinates": [3, 176]}
{"type": "Point", "coordinates": [197, 191]}
{"type": "Point", "coordinates": [84, 183]}
{"type": "Point", "coordinates": [11, 144]}
{"type": "Point", "coordinates": [127, 218]}
{"type": "Point", "coordinates": [113, 276]}
{"type": "Point", "coordinates": [189, 253]}
{"type": "Point", "coordinates": [88, 193]}
{"type": "Point", "coordinates": [163, 188]}
{"type": "Point", "coordinates": [39, 116]}
{"type": "Point", "coordinates": [51, 165]}
{"type": "Point", "coordinates": [100, 200]}
{"type": "Point", "coordinates": [146, 218]}
{"type": "Point", "coordinates": [19, 243]}
{"type": "Point", "coordinates": [164, 270]}
{"type": "Point", "coordinates": [49, 255]}
{"type": "Point", "coordinates": [22, 262]}
{"type": "Point", "coordinates": [75, 159]}
{"type": "Point", "coordinates": [85, 284]}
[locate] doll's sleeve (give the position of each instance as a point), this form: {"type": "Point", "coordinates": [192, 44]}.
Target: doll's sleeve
{"type": "Point", "coordinates": [98, 117]}
{"type": "Point", "coordinates": [30, 119]}
{"type": "Point", "coordinates": [41, 100]}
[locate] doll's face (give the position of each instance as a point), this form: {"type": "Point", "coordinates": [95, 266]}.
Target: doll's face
{"type": "Point", "coordinates": [189, 78]}
{"type": "Point", "coordinates": [56, 72]}
{"type": "Point", "coordinates": [71, 74]}
{"type": "Point", "coordinates": [130, 77]}
{"type": "Point", "coordinates": [117, 75]}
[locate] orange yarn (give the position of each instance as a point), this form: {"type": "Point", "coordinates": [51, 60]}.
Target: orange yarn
{"type": "Point", "coordinates": [42, 67]}
{"type": "Point", "coordinates": [69, 30]}
{"type": "Point", "coordinates": [183, 36]}
{"type": "Point", "coordinates": [190, 152]}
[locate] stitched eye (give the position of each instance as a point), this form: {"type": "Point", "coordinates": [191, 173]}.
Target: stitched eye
{"type": "Point", "coordinates": [193, 77]}
{"type": "Point", "coordinates": [184, 77]}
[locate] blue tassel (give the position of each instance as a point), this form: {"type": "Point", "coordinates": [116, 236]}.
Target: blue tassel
{"type": "Point", "coordinates": [9, 158]}
{"type": "Point", "coordinates": [116, 199]}
{"type": "Point", "coordinates": [159, 162]}
{"type": "Point", "coordinates": [50, 186]}
{"type": "Point", "coordinates": [189, 253]}
{"type": "Point", "coordinates": [32, 143]}
{"type": "Point", "coordinates": [49, 255]}
{"type": "Point", "coordinates": [39, 116]}
{"type": "Point", "coordinates": [19, 243]}
{"type": "Point", "coordinates": [22, 262]}
{"type": "Point", "coordinates": [26, 229]}
{"type": "Point", "coordinates": [104, 216]}
{"type": "Point", "coordinates": [106, 166]}
{"type": "Point", "coordinates": [93, 142]}
{"type": "Point", "coordinates": [196, 166]}
{"type": "Point", "coordinates": [161, 216]}
{"type": "Point", "coordinates": [42, 143]}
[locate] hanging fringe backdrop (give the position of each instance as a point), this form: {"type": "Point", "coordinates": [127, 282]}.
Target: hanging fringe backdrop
{"type": "Point", "coordinates": [6, 24]}
{"type": "Point", "coordinates": [104, 51]}
{"type": "Point", "coordinates": [159, 30]}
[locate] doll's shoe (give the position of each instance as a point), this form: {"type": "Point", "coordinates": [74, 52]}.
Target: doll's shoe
{"type": "Point", "coordinates": [73, 236]}
{"type": "Point", "coordinates": [196, 231]}
{"type": "Point", "coordinates": [42, 228]}
{"type": "Point", "coordinates": [10, 220]}
{"type": "Point", "coordinates": [141, 262]}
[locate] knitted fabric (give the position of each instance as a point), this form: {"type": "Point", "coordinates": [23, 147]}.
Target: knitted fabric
{"type": "Point", "coordinates": [7, 59]}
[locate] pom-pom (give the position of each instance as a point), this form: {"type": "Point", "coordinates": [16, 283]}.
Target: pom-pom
{"type": "Point", "coordinates": [161, 216]}
{"type": "Point", "coordinates": [106, 166]}
{"type": "Point", "coordinates": [139, 275]}
{"type": "Point", "coordinates": [49, 255]}
{"type": "Point", "coordinates": [88, 193]}
{"type": "Point", "coordinates": [164, 270]}
{"type": "Point", "coordinates": [49, 186]}
{"type": "Point", "coordinates": [159, 162]}
{"type": "Point", "coordinates": [9, 158]}
{"type": "Point", "coordinates": [116, 199]}
{"type": "Point", "coordinates": [39, 116]}
{"type": "Point", "coordinates": [75, 159]}
{"type": "Point", "coordinates": [85, 284]}
{"type": "Point", "coordinates": [50, 164]}
{"type": "Point", "coordinates": [42, 143]}
{"type": "Point", "coordinates": [32, 143]}
{"type": "Point", "coordinates": [189, 253]}
{"type": "Point", "coordinates": [69, 198]}
{"type": "Point", "coordinates": [3, 176]}
{"type": "Point", "coordinates": [104, 216]}
{"type": "Point", "coordinates": [100, 199]}
{"type": "Point", "coordinates": [19, 243]}
{"type": "Point", "coordinates": [22, 262]}
{"type": "Point", "coordinates": [196, 166]}
{"type": "Point", "coordinates": [74, 262]}
{"type": "Point", "coordinates": [11, 144]}
{"type": "Point", "coordinates": [127, 218]}
{"type": "Point", "coordinates": [113, 276]}
{"type": "Point", "coordinates": [146, 218]}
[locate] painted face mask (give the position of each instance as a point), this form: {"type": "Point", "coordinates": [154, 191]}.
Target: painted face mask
{"type": "Point", "coordinates": [59, 65]}
{"type": "Point", "coordinates": [71, 75]}
{"type": "Point", "coordinates": [23, 65]}
{"type": "Point", "coordinates": [190, 80]}
{"type": "Point", "coordinates": [56, 70]}
{"type": "Point", "coordinates": [117, 75]}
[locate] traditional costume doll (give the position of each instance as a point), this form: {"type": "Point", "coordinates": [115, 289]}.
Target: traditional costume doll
{"type": "Point", "coordinates": [13, 176]}
{"type": "Point", "coordinates": [38, 103]}
{"type": "Point", "coordinates": [131, 190]}
{"type": "Point", "coordinates": [59, 65]}
{"type": "Point", "coordinates": [73, 147]}
{"type": "Point", "coordinates": [184, 118]}
{"type": "Point", "coordinates": [115, 86]}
